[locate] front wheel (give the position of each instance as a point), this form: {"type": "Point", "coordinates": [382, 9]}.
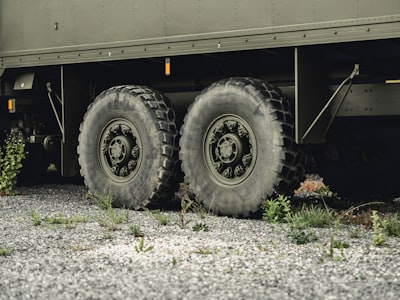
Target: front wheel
{"type": "Point", "coordinates": [237, 146]}
{"type": "Point", "coordinates": [127, 146]}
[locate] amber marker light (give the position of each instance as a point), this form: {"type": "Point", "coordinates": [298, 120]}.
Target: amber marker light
{"type": "Point", "coordinates": [167, 66]}
{"type": "Point", "coordinates": [11, 105]}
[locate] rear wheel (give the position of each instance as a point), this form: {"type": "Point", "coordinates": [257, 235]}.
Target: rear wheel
{"type": "Point", "coordinates": [127, 146]}
{"type": "Point", "coordinates": [237, 146]}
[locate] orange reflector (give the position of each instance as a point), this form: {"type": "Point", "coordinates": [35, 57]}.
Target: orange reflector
{"type": "Point", "coordinates": [11, 105]}
{"type": "Point", "coordinates": [167, 67]}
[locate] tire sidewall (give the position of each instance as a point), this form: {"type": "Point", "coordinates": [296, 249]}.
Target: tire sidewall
{"type": "Point", "coordinates": [249, 105]}
{"type": "Point", "coordinates": [107, 107]}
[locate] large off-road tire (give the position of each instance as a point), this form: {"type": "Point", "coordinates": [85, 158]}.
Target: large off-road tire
{"type": "Point", "coordinates": [237, 148]}
{"type": "Point", "coordinates": [127, 146]}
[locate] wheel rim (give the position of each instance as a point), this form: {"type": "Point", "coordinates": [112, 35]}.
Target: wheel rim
{"type": "Point", "coordinates": [230, 149]}
{"type": "Point", "coordinates": [120, 150]}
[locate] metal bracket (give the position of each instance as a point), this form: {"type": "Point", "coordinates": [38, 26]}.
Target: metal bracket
{"type": "Point", "coordinates": [49, 92]}
{"type": "Point", "coordinates": [349, 80]}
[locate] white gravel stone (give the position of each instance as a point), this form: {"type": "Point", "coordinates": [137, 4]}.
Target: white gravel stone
{"type": "Point", "coordinates": [235, 259]}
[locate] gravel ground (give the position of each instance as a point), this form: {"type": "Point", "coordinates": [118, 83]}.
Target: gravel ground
{"type": "Point", "coordinates": [235, 259]}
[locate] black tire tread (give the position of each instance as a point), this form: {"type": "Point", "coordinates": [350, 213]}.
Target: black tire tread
{"type": "Point", "coordinates": [164, 118]}
{"type": "Point", "coordinates": [291, 171]}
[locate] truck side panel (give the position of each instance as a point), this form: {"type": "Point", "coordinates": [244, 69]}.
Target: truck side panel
{"type": "Point", "coordinates": [107, 30]}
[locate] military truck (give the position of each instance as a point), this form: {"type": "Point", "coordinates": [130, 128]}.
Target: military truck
{"type": "Point", "coordinates": [128, 93]}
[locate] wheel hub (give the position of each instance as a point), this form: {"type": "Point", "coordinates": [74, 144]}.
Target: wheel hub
{"type": "Point", "coordinates": [119, 149]}
{"type": "Point", "coordinates": [230, 148]}
{"type": "Point", "coordinates": [120, 155]}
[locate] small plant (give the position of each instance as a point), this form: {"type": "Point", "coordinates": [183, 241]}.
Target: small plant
{"type": "Point", "coordinates": [174, 261]}
{"type": "Point", "coordinates": [378, 229]}
{"type": "Point", "coordinates": [393, 225]}
{"type": "Point", "coordinates": [186, 203]}
{"type": "Point", "coordinates": [355, 232]}
{"type": "Point", "coordinates": [336, 244]}
{"type": "Point", "coordinates": [104, 202]}
{"type": "Point", "coordinates": [185, 193]}
{"type": "Point", "coordinates": [203, 251]}
{"type": "Point", "coordinates": [140, 247]}
{"type": "Point", "coordinates": [200, 227]}
{"type": "Point", "coordinates": [135, 230]}
{"type": "Point", "coordinates": [57, 220]}
{"type": "Point", "coordinates": [301, 235]}
{"type": "Point", "coordinates": [108, 235]}
{"type": "Point", "coordinates": [313, 216]}
{"type": "Point", "coordinates": [35, 217]}
{"type": "Point", "coordinates": [163, 219]}
{"type": "Point", "coordinates": [11, 158]}
{"type": "Point", "coordinates": [325, 192]}
{"type": "Point", "coordinates": [276, 210]}
{"type": "Point", "coordinates": [5, 251]}
{"type": "Point", "coordinates": [109, 217]}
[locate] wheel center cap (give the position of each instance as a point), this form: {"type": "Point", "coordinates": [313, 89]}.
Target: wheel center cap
{"type": "Point", "coordinates": [226, 149]}
{"type": "Point", "coordinates": [229, 148]}
{"type": "Point", "coordinates": [119, 148]}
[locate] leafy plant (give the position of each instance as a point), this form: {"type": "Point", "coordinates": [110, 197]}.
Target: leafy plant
{"type": "Point", "coordinates": [378, 229]}
{"type": "Point", "coordinates": [58, 219]}
{"type": "Point", "coordinates": [140, 247]}
{"type": "Point", "coordinates": [186, 194]}
{"type": "Point", "coordinates": [203, 251]}
{"type": "Point", "coordinates": [108, 235]}
{"type": "Point", "coordinates": [200, 227]}
{"type": "Point", "coordinates": [163, 219]}
{"type": "Point", "coordinates": [301, 235]}
{"type": "Point", "coordinates": [185, 205]}
{"type": "Point", "coordinates": [104, 201]}
{"type": "Point", "coordinates": [393, 225]}
{"type": "Point", "coordinates": [11, 157]}
{"type": "Point", "coordinates": [336, 244]}
{"type": "Point", "coordinates": [276, 210]}
{"type": "Point", "coordinates": [135, 230]}
{"type": "Point", "coordinates": [174, 261]}
{"type": "Point", "coordinates": [35, 217]}
{"type": "Point", "coordinates": [4, 251]}
{"type": "Point", "coordinates": [109, 217]}
{"type": "Point", "coordinates": [312, 216]}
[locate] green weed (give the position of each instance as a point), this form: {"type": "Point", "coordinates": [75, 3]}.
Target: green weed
{"type": "Point", "coordinates": [174, 261]}
{"type": "Point", "coordinates": [163, 219]}
{"type": "Point", "coordinates": [336, 244]}
{"type": "Point", "coordinates": [203, 251]}
{"type": "Point", "coordinates": [110, 219]}
{"type": "Point", "coordinates": [393, 225]}
{"type": "Point", "coordinates": [200, 227]}
{"type": "Point", "coordinates": [35, 217]}
{"type": "Point", "coordinates": [186, 203]}
{"type": "Point", "coordinates": [5, 251]}
{"type": "Point", "coordinates": [301, 235]}
{"type": "Point", "coordinates": [140, 247]}
{"type": "Point", "coordinates": [378, 229]}
{"type": "Point", "coordinates": [108, 216]}
{"type": "Point", "coordinates": [11, 157]}
{"type": "Point", "coordinates": [276, 210]}
{"type": "Point", "coordinates": [313, 216]}
{"type": "Point", "coordinates": [135, 230]}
